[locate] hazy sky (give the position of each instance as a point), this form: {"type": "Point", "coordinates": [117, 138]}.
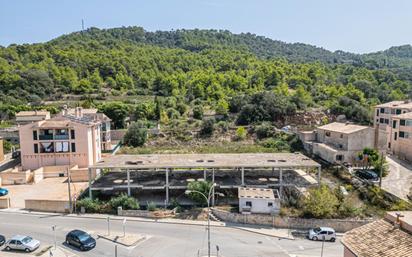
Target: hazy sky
{"type": "Point", "coordinates": [350, 25]}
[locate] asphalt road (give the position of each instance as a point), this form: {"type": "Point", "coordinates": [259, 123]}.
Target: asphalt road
{"type": "Point", "coordinates": [165, 240]}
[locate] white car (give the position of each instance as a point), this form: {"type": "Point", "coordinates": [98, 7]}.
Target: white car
{"type": "Point", "coordinates": [22, 243]}
{"type": "Point", "coordinates": [322, 233]}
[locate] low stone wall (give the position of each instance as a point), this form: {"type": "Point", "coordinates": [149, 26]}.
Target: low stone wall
{"type": "Point", "coordinates": [15, 177]}
{"type": "Point", "coordinates": [59, 206]}
{"type": "Point", "coordinates": [293, 223]}
{"type": "Point", "coordinates": [4, 202]}
{"type": "Point", "coordinates": [145, 214]}
{"type": "Point", "coordinates": [38, 175]}
{"type": "Point", "coordinates": [81, 174]}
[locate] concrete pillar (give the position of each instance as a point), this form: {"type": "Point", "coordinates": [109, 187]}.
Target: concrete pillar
{"type": "Point", "coordinates": [90, 183]}
{"type": "Point", "coordinates": [243, 176]}
{"type": "Point", "coordinates": [204, 174]}
{"type": "Point", "coordinates": [280, 182]}
{"type": "Point", "coordinates": [319, 173]}
{"type": "Point", "coordinates": [213, 182]}
{"type": "Point", "coordinates": [128, 182]}
{"type": "Point", "coordinates": [167, 186]}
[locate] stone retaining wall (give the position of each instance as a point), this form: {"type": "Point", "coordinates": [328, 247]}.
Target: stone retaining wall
{"type": "Point", "coordinates": [145, 214]}
{"type": "Point", "coordinates": [293, 223]}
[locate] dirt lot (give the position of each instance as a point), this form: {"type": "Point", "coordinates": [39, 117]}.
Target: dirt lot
{"type": "Point", "coordinates": [49, 188]}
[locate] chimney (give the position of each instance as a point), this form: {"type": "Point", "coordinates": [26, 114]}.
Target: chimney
{"type": "Point", "coordinates": [64, 112]}
{"type": "Point", "coordinates": [79, 112]}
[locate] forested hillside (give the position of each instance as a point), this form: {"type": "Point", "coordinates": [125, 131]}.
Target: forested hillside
{"type": "Point", "coordinates": [256, 76]}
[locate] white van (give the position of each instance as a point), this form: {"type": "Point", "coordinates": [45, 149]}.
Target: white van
{"type": "Point", "coordinates": [322, 233]}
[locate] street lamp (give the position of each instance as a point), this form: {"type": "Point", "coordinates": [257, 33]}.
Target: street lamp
{"type": "Point", "coordinates": [207, 198]}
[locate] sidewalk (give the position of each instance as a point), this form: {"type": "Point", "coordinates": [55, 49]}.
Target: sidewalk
{"type": "Point", "coordinates": [399, 179]}
{"type": "Point", "coordinates": [262, 230]}
{"type": "Point", "coordinates": [58, 252]}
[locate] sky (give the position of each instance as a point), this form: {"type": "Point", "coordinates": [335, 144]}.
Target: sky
{"type": "Point", "coordinates": [357, 26]}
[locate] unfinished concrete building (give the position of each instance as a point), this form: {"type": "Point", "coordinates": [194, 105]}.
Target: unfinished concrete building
{"type": "Point", "coordinates": [168, 175]}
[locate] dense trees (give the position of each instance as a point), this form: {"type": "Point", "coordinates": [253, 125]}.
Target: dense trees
{"type": "Point", "coordinates": [231, 73]}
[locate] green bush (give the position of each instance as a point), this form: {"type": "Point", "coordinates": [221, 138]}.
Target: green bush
{"type": "Point", "coordinates": [241, 133]}
{"type": "Point", "coordinates": [91, 206]}
{"type": "Point", "coordinates": [136, 135]}
{"type": "Point", "coordinates": [264, 130]}
{"type": "Point", "coordinates": [208, 127]}
{"type": "Point", "coordinates": [200, 186]}
{"type": "Point", "coordinates": [198, 112]}
{"type": "Point", "coordinates": [151, 206]}
{"type": "Point", "coordinates": [320, 203]}
{"type": "Point", "coordinates": [126, 202]}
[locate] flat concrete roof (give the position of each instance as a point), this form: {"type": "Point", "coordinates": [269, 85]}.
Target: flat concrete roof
{"type": "Point", "coordinates": [258, 193]}
{"type": "Point", "coordinates": [247, 160]}
{"type": "Point", "coordinates": [398, 104]}
{"type": "Point", "coordinates": [345, 128]}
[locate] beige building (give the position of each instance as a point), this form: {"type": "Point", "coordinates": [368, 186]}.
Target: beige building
{"type": "Point", "coordinates": [338, 142]}
{"type": "Point", "coordinates": [389, 237]}
{"type": "Point", "coordinates": [96, 116]}
{"type": "Point", "coordinates": [25, 117]}
{"type": "Point", "coordinates": [383, 119]}
{"type": "Point", "coordinates": [65, 140]}
{"type": "Point", "coordinates": [401, 137]}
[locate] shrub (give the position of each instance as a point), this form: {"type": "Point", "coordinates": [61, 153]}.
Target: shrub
{"type": "Point", "coordinates": [320, 203]}
{"type": "Point", "coordinates": [136, 135]}
{"type": "Point", "coordinates": [277, 144]}
{"type": "Point", "coordinates": [198, 112]}
{"type": "Point", "coordinates": [241, 133]}
{"type": "Point", "coordinates": [91, 206]}
{"type": "Point", "coordinates": [151, 206]}
{"type": "Point", "coordinates": [264, 130]}
{"type": "Point", "coordinates": [223, 126]}
{"type": "Point", "coordinates": [126, 202]}
{"type": "Point", "coordinates": [201, 186]}
{"type": "Point", "coordinates": [172, 114]}
{"type": "Point", "coordinates": [207, 128]}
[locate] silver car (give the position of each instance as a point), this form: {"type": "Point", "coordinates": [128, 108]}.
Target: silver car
{"type": "Point", "coordinates": [22, 243]}
{"type": "Point", "coordinates": [322, 233]}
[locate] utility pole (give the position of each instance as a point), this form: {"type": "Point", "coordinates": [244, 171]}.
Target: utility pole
{"type": "Point", "coordinates": [323, 242]}
{"type": "Point", "coordinates": [381, 170]}
{"type": "Point", "coordinates": [82, 25]}
{"type": "Point", "coordinates": [70, 193]}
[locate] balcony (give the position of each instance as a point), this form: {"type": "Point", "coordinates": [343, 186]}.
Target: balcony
{"type": "Point", "coordinates": [61, 137]}
{"type": "Point", "coordinates": [45, 137]}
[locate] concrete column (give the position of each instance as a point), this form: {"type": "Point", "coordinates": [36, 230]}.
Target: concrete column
{"type": "Point", "coordinates": [204, 174]}
{"type": "Point", "coordinates": [213, 182]}
{"type": "Point", "coordinates": [319, 173]}
{"type": "Point", "coordinates": [280, 182]}
{"type": "Point", "coordinates": [90, 183]}
{"type": "Point", "coordinates": [167, 186]}
{"type": "Point", "coordinates": [243, 176]}
{"type": "Point", "coordinates": [128, 182]}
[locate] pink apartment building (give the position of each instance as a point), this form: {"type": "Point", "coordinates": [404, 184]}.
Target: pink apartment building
{"type": "Point", "coordinates": [63, 140]}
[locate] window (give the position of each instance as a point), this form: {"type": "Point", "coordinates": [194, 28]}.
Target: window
{"type": "Point", "coordinates": [34, 134]}
{"type": "Point", "coordinates": [249, 204]}
{"type": "Point", "coordinates": [340, 146]}
{"type": "Point", "coordinates": [73, 147]}
{"type": "Point", "coordinates": [341, 135]}
{"type": "Point", "coordinates": [62, 147]}
{"type": "Point", "coordinates": [389, 145]}
{"type": "Point", "coordinates": [330, 232]}
{"type": "Point", "coordinates": [398, 111]}
{"type": "Point", "coordinates": [46, 147]}
{"type": "Point", "coordinates": [270, 204]}
{"type": "Point", "coordinates": [396, 136]}
{"type": "Point", "coordinates": [386, 121]}
{"type": "Point", "coordinates": [62, 134]}
{"type": "Point", "coordinates": [403, 134]}
{"type": "Point", "coordinates": [381, 120]}
{"type": "Point", "coordinates": [377, 112]}
{"type": "Point", "coordinates": [382, 110]}
{"type": "Point", "coordinates": [402, 122]}
{"type": "Point", "coordinates": [46, 134]}
{"type": "Point", "coordinates": [72, 134]}
{"type": "Point", "coordinates": [36, 148]}
{"type": "Point", "coordinates": [408, 123]}
{"type": "Point", "coordinates": [394, 124]}
{"type": "Point", "coordinates": [327, 133]}
{"type": "Point", "coordinates": [339, 157]}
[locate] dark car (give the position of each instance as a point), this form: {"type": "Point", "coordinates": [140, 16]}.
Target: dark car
{"type": "Point", "coordinates": [2, 240]}
{"type": "Point", "coordinates": [367, 174]}
{"type": "Point", "coordinates": [80, 239]}
{"type": "Point", "coordinates": [15, 154]}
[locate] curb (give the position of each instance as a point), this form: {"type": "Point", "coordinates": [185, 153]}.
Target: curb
{"type": "Point", "coordinates": [264, 234]}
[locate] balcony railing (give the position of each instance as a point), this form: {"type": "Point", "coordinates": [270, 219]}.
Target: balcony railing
{"type": "Point", "coordinates": [45, 137]}
{"type": "Point", "coordinates": [60, 137]}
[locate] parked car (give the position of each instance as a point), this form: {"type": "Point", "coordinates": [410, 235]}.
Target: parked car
{"type": "Point", "coordinates": [15, 154]}
{"type": "Point", "coordinates": [367, 174]}
{"type": "Point", "coordinates": [2, 240]}
{"type": "Point", "coordinates": [322, 233]}
{"type": "Point", "coordinates": [22, 243]}
{"type": "Point", "coordinates": [3, 191]}
{"type": "Point", "coordinates": [80, 239]}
